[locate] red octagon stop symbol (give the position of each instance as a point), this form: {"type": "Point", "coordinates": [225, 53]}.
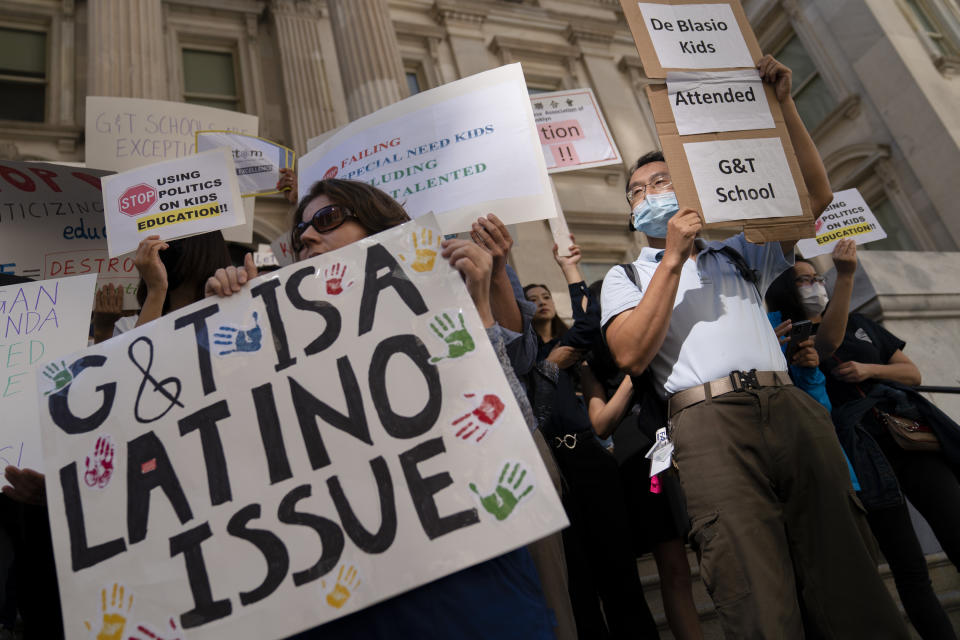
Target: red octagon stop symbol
{"type": "Point", "coordinates": [137, 199]}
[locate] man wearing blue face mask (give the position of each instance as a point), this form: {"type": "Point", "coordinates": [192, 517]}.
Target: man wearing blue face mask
{"type": "Point", "coordinates": [773, 514]}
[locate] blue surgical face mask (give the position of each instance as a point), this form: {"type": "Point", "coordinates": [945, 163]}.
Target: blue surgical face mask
{"type": "Point", "coordinates": [653, 213]}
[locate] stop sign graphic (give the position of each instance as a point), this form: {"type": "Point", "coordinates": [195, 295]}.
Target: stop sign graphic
{"type": "Point", "coordinates": [137, 199]}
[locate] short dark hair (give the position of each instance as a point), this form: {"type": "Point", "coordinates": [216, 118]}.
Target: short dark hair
{"type": "Point", "coordinates": [374, 209]}
{"type": "Point", "coordinates": [647, 158]}
{"type": "Point", "coordinates": [190, 261]}
{"type": "Point", "coordinates": [783, 296]}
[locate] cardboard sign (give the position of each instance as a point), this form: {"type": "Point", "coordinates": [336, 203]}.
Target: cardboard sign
{"type": "Point", "coordinates": [462, 150]}
{"type": "Point", "coordinates": [848, 216]}
{"type": "Point", "coordinates": [258, 160]}
{"type": "Point", "coordinates": [718, 101]}
{"type": "Point", "coordinates": [39, 323]}
{"type": "Point", "coordinates": [172, 199]}
{"type": "Point", "coordinates": [680, 34]}
{"type": "Point", "coordinates": [336, 434]}
{"type": "Point", "coordinates": [51, 226]}
{"type": "Point", "coordinates": [126, 133]}
{"type": "Point", "coordinates": [742, 180]}
{"type": "Point", "coordinates": [572, 130]}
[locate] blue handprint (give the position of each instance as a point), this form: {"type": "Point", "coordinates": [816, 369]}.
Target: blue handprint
{"type": "Point", "coordinates": [239, 340]}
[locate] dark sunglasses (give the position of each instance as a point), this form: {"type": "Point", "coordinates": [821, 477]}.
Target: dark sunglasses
{"type": "Point", "coordinates": [323, 221]}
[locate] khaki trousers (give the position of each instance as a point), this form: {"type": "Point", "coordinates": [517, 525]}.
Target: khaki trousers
{"type": "Point", "coordinates": [773, 511]}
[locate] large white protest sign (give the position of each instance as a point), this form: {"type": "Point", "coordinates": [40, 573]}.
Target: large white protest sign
{"type": "Point", "coordinates": [258, 160]}
{"type": "Point", "coordinates": [695, 36]}
{"type": "Point", "coordinates": [51, 226]}
{"type": "Point", "coordinates": [848, 216]}
{"type": "Point", "coordinates": [172, 199]}
{"type": "Point", "coordinates": [718, 101]}
{"type": "Point", "coordinates": [339, 432]}
{"type": "Point", "coordinates": [743, 179]}
{"type": "Point", "coordinates": [126, 133]}
{"type": "Point", "coordinates": [572, 130]}
{"type": "Point", "coordinates": [39, 322]}
{"type": "Point", "coordinates": [462, 150]}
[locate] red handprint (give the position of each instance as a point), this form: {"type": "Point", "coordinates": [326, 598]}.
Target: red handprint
{"type": "Point", "coordinates": [334, 276]}
{"type": "Point", "coordinates": [100, 464]}
{"type": "Point", "coordinates": [485, 415]}
{"type": "Point", "coordinates": [146, 631]}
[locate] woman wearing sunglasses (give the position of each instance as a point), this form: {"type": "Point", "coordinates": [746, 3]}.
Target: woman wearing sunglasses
{"type": "Point", "coordinates": [498, 598]}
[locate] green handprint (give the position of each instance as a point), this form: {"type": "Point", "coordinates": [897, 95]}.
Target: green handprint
{"type": "Point", "coordinates": [505, 497]}
{"type": "Point", "coordinates": [459, 341]}
{"type": "Point", "coordinates": [59, 374]}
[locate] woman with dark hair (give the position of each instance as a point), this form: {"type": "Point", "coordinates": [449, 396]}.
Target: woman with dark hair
{"type": "Point", "coordinates": [173, 273]}
{"type": "Point", "coordinates": [799, 294]}
{"type": "Point", "coordinates": [501, 597]}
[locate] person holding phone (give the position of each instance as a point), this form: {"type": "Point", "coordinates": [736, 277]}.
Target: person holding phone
{"type": "Point", "coordinates": [798, 301]}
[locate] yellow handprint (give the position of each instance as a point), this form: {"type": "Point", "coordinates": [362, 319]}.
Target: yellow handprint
{"type": "Point", "coordinates": [347, 583]}
{"type": "Point", "coordinates": [425, 255]}
{"type": "Point", "coordinates": [114, 614]}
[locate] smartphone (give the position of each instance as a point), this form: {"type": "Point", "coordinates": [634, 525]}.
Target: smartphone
{"type": "Point", "coordinates": [799, 332]}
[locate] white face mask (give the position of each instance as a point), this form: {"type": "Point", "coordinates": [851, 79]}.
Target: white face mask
{"type": "Point", "coordinates": [814, 298]}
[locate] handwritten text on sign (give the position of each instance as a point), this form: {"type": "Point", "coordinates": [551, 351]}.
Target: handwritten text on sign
{"type": "Point", "coordinates": [848, 216]}
{"type": "Point", "coordinates": [695, 36]}
{"type": "Point", "coordinates": [332, 436]}
{"type": "Point", "coordinates": [172, 199]}
{"type": "Point", "coordinates": [709, 102]}
{"type": "Point", "coordinates": [572, 131]}
{"type": "Point", "coordinates": [39, 321]}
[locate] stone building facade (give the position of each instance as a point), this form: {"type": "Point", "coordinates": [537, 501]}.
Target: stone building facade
{"type": "Point", "coordinates": [875, 80]}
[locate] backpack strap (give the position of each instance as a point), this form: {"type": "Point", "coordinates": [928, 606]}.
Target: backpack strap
{"type": "Point", "coordinates": [631, 270]}
{"type": "Point", "coordinates": [748, 274]}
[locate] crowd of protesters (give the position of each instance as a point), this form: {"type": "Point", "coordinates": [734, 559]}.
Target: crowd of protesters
{"type": "Point", "coordinates": [789, 419]}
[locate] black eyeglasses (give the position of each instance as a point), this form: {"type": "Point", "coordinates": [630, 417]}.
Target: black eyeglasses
{"type": "Point", "coordinates": [324, 220]}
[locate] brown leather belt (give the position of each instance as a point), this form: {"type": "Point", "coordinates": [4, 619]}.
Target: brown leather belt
{"type": "Point", "coordinates": [736, 381]}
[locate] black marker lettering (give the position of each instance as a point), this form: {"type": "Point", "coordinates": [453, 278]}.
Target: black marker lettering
{"type": "Point", "coordinates": [205, 421]}
{"type": "Point", "coordinates": [423, 489]}
{"type": "Point", "coordinates": [268, 292]}
{"type": "Point", "coordinates": [369, 542]}
{"type": "Point", "coordinates": [331, 316]}
{"type": "Point", "coordinates": [148, 467]}
{"type": "Point", "coordinates": [331, 537]}
{"type": "Point", "coordinates": [397, 425]}
{"type": "Point", "coordinates": [81, 555]}
{"type": "Point", "coordinates": [60, 409]}
{"type": "Point", "coordinates": [278, 464]}
{"type": "Point", "coordinates": [379, 258]}
{"type": "Point", "coordinates": [267, 542]}
{"type": "Point", "coordinates": [205, 608]}
{"type": "Point", "coordinates": [199, 321]}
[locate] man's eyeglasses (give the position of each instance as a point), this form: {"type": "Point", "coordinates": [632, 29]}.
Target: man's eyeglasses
{"type": "Point", "coordinates": [806, 281]}
{"type": "Point", "coordinates": [659, 185]}
{"type": "Point", "coordinates": [323, 221]}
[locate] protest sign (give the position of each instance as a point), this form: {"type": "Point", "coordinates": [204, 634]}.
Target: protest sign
{"type": "Point", "coordinates": [718, 101]}
{"type": "Point", "coordinates": [572, 130]}
{"type": "Point", "coordinates": [282, 249]}
{"type": "Point", "coordinates": [51, 226]}
{"type": "Point", "coordinates": [674, 35]}
{"type": "Point", "coordinates": [258, 160]}
{"type": "Point", "coordinates": [337, 433]}
{"type": "Point", "coordinates": [462, 150]}
{"type": "Point", "coordinates": [848, 216]}
{"type": "Point", "coordinates": [39, 323]}
{"type": "Point", "coordinates": [172, 199]}
{"type": "Point", "coordinates": [126, 133]}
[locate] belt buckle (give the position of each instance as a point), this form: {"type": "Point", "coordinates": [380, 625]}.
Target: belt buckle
{"type": "Point", "coordinates": [569, 440]}
{"type": "Point", "coordinates": [743, 380]}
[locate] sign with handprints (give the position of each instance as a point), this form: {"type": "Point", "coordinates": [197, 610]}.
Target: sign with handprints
{"type": "Point", "coordinates": [254, 466]}
{"type": "Point", "coordinates": [425, 251]}
{"type": "Point", "coordinates": [40, 322]}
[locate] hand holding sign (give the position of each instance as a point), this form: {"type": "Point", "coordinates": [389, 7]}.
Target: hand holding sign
{"type": "Point", "coordinates": [26, 486]}
{"type": "Point", "coordinates": [845, 256]}
{"type": "Point", "coordinates": [230, 280]}
{"type": "Point", "coordinates": [777, 74]}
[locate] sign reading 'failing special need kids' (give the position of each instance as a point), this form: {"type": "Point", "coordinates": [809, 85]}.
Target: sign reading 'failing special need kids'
{"type": "Point", "coordinates": [337, 433]}
{"type": "Point", "coordinates": [172, 199]}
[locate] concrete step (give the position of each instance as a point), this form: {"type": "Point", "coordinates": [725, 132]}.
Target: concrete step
{"type": "Point", "coordinates": [943, 575]}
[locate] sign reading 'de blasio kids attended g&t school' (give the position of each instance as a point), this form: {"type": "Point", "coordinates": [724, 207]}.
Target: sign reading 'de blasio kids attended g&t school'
{"type": "Point", "coordinates": [39, 322]}
{"type": "Point", "coordinates": [462, 150]}
{"type": "Point", "coordinates": [126, 133]}
{"type": "Point", "coordinates": [337, 433]}
{"type": "Point", "coordinates": [172, 199]}
{"type": "Point", "coordinates": [572, 130]}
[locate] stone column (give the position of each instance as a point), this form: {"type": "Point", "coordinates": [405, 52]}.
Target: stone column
{"type": "Point", "coordinates": [306, 82]}
{"type": "Point", "coordinates": [464, 33]}
{"type": "Point", "coordinates": [126, 52]}
{"type": "Point", "coordinates": [368, 53]}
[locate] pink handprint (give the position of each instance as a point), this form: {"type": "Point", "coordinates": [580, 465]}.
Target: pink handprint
{"type": "Point", "coordinates": [100, 464]}
{"type": "Point", "coordinates": [485, 415]}
{"type": "Point", "coordinates": [334, 276]}
{"type": "Point", "coordinates": [146, 631]}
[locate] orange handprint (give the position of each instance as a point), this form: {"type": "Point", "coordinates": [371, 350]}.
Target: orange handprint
{"type": "Point", "coordinates": [114, 614]}
{"type": "Point", "coordinates": [347, 583]}
{"type": "Point", "coordinates": [426, 251]}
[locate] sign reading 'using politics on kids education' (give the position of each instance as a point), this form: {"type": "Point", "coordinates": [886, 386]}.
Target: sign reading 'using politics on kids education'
{"type": "Point", "coordinates": [572, 130]}
{"type": "Point", "coordinates": [848, 216]}
{"type": "Point", "coordinates": [462, 150]}
{"type": "Point", "coordinates": [39, 322]}
{"type": "Point", "coordinates": [172, 199]}
{"type": "Point", "coordinates": [52, 226]}
{"type": "Point", "coordinates": [337, 433]}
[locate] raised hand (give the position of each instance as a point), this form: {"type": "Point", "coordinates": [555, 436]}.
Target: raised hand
{"type": "Point", "coordinates": [505, 497]}
{"type": "Point", "coordinates": [682, 230]}
{"type": "Point", "coordinates": [845, 256]}
{"type": "Point", "coordinates": [494, 237]}
{"type": "Point", "coordinates": [334, 276]}
{"type": "Point", "coordinates": [458, 339]}
{"type": "Point", "coordinates": [99, 465]}
{"type": "Point", "coordinates": [230, 280]}
{"type": "Point", "coordinates": [148, 263]}
{"type": "Point", "coordinates": [288, 184]}
{"type": "Point", "coordinates": [26, 485]}
{"type": "Point", "coordinates": [235, 340]}
{"type": "Point", "coordinates": [806, 354]}
{"type": "Point", "coordinates": [485, 416]}
{"type": "Point", "coordinates": [60, 375]}
{"type": "Point", "coordinates": [777, 74]}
